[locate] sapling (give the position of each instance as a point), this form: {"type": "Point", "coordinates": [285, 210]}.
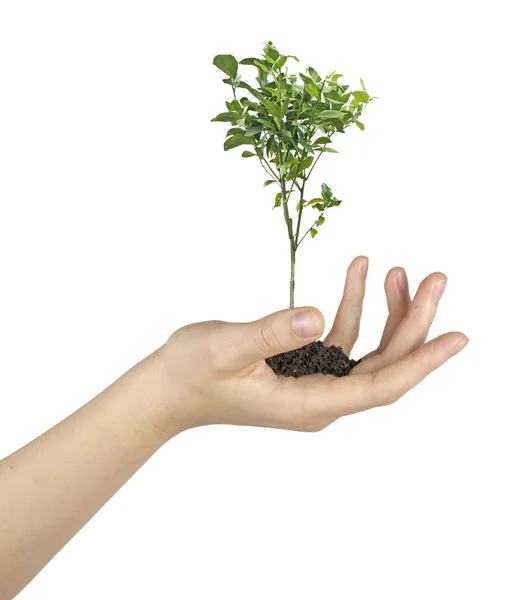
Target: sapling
{"type": "Point", "coordinates": [288, 125]}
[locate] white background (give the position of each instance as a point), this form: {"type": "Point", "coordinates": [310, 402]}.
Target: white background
{"type": "Point", "coordinates": [122, 219]}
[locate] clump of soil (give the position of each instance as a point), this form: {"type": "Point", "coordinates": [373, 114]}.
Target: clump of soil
{"type": "Point", "coordinates": [312, 358]}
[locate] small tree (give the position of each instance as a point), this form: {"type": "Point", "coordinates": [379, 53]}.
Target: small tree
{"type": "Point", "coordinates": [288, 126]}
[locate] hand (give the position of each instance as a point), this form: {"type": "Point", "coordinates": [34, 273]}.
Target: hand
{"type": "Point", "coordinates": [217, 372]}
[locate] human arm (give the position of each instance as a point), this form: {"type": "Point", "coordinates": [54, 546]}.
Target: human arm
{"type": "Point", "coordinates": [206, 373]}
{"type": "Point", "coordinates": [51, 487]}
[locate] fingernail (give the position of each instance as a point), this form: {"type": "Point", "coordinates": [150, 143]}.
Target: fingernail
{"type": "Point", "coordinates": [439, 288]}
{"type": "Point", "coordinates": [364, 266]}
{"type": "Point", "coordinates": [401, 280]}
{"type": "Point", "coordinates": [305, 324]}
{"type": "Point", "coordinates": [458, 347]}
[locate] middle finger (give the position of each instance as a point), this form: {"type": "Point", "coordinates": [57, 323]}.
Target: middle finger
{"type": "Point", "coordinates": [413, 329]}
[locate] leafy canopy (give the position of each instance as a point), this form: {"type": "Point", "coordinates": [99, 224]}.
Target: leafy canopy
{"type": "Point", "coordinates": [287, 122]}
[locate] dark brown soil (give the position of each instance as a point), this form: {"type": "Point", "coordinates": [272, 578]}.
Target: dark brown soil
{"type": "Point", "coordinates": [312, 358]}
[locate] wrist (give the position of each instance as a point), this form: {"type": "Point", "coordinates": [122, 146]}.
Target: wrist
{"type": "Point", "coordinates": [163, 401]}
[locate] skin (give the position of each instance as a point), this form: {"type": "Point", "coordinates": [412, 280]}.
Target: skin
{"type": "Point", "coordinates": [211, 372]}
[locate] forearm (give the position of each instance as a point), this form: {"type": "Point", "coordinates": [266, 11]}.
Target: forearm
{"type": "Point", "coordinates": [51, 487]}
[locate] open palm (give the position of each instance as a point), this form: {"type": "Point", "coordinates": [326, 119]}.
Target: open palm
{"type": "Point", "coordinates": [218, 369]}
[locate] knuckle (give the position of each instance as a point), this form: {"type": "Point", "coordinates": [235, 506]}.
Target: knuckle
{"type": "Point", "coordinates": [216, 350]}
{"type": "Point", "coordinates": [285, 415]}
{"type": "Point", "coordinates": [374, 380]}
{"type": "Point", "coordinates": [296, 415]}
{"type": "Point", "coordinates": [315, 427]}
{"type": "Point", "coordinates": [420, 315]}
{"type": "Point", "coordinates": [380, 359]}
{"type": "Point", "coordinates": [266, 338]}
{"type": "Point", "coordinates": [306, 417]}
{"type": "Point", "coordinates": [382, 396]}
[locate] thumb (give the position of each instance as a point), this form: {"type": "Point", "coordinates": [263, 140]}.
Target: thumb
{"type": "Point", "coordinates": [243, 344]}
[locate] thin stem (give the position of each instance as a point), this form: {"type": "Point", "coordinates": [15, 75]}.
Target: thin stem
{"type": "Point", "coordinates": [288, 220]}
{"type": "Point", "coordinates": [329, 135]}
{"type": "Point", "coordinates": [289, 224]}
{"type": "Point", "coordinates": [302, 189]}
{"type": "Point", "coordinates": [292, 247]}
{"type": "Point", "coordinates": [292, 278]}
{"type": "Point", "coordinates": [270, 172]}
{"type": "Point", "coordinates": [308, 231]}
{"type": "Point", "coordinates": [284, 204]}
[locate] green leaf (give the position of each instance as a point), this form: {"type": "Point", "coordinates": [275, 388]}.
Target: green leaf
{"type": "Point", "coordinates": [262, 78]}
{"type": "Point", "coordinates": [326, 192]}
{"type": "Point", "coordinates": [248, 87]}
{"type": "Point", "coordinates": [314, 232]}
{"type": "Point", "coordinates": [284, 167]}
{"type": "Point", "coordinates": [268, 58]}
{"type": "Point", "coordinates": [254, 127]}
{"type": "Point", "coordinates": [278, 200]}
{"type": "Point", "coordinates": [247, 61]}
{"type": "Point", "coordinates": [269, 145]}
{"type": "Point", "coordinates": [291, 56]}
{"type": "Point", "coordinates": [226, 63]}
{"type": "Point", "coordinates": [330, 114]}
{"type": "Point", "coordinates": [250, 104]}
{"type": "Point", "coordinates": [247, 154]}
{"type": "Point", "coordinates": [271, 51]}
{"type": "Point", "coordinates": [313, 74]}
{"type": "Point", "coordinates": [362, 85]}
{"type": "Point", "coordinates": [360, 125]}
{"type": "Point", "coordinates": [334, 96]}
{"type": "Point", "coordinates": [269, 182]}
{"type": "Point", "coordinates": [235, 141]}
{"type": "Point", "coordinates": [261, 66]}
{"type": "Point", "coordinates": [325, 149]}
{"type": "Point", "coordinates": [322, 140]}
{"type": "Point", "coordinates": [234, 106]}
{"type": "Point", "coordinates": [313, 90]}
{"type": "Point", "coordinates": [315, 201]}
{"type": "Point", "coordinates": [224, 117]}
{"type": "Point", "coordinates": [280, 62]}
{"type": "Point", "coordinates": [293, 172]}
{"type": "Point", "coordinates": [360, 96]}
{"type": "Point", "coordinates": [339, 125]}
{"type": "Point", "coordinates": [306, 145]}
{"type": "Point", "coordinates": [273, 109]}
{"type": "Point", "coordinates": [320, 220]}
{"type": "Point", "coordinates": [306, 163]}
{"type": "Point", "coordinates": [306, 80]}
{"type": "Point", "coordinates": [268, 124]}
{"type": "Point", "coordinates": [284, 106]}
{"type": "Point", "coordinates": [234, 131]}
